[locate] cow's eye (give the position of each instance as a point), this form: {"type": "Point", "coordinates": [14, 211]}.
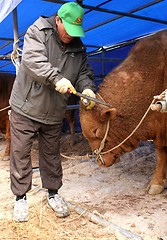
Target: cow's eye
{"type": "Point", "coordinates": [93, 134]}
{"type": "Point", "coordinates": [99, 133]}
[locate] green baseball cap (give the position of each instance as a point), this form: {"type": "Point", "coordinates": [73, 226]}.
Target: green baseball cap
{"type": "Point", "coordinates": [72, 15]}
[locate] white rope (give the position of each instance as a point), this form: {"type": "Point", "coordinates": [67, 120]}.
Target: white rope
{"type": "Point", "coordinates": [16, 53]}
{"type": "Point", "coordinates": [3, 109]}
{"type": "Point", "coordinates": [161, 96]}
{"type": "Point", "coordinates": [98, 151]}
{"type": "Point", "coordinates": [85, 157]}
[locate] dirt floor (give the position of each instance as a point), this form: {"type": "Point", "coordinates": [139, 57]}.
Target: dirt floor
{"type": "Point", "coordinates": [114, 198]}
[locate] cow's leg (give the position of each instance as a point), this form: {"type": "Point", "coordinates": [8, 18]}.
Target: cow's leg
{"type": "Point", "coordinates": [72, 132]}
{"type": "Point", "coordinates": [71, 121]}
{"type": "Point", "coordinates": [158, 180]}
{"type": "Point", "coordinates": [7, 137]}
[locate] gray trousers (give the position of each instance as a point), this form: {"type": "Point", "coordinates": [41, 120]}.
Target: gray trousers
{"type": "Point", "coordinates": [23, 130]}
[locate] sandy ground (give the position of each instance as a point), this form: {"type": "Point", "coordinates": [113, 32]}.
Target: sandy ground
{"type": "Point", "coordinates": [115, 196]}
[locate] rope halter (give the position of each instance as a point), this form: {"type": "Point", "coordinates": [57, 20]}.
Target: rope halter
{"type": "Point", "coordinates": [98, 152]}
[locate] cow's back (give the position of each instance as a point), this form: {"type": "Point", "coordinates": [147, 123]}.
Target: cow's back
{"type": "Point", "coordinates": [132, 86]}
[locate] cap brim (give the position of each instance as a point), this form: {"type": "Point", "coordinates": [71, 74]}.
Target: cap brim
{"type": "Point", "coordinates": [74, 30]}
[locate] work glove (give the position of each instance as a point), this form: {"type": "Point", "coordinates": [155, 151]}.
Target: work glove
{"type": "Point", "coordinates": [86, 102]}
{"type": "Point", "coordinates": [63, 85]}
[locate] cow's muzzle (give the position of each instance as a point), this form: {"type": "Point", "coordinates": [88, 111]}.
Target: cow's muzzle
{"type": "Point", "coordinates": [99, 158]}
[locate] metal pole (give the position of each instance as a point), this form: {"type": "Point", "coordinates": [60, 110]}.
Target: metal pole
{"type": "Point", "coordinates": [16, 38]}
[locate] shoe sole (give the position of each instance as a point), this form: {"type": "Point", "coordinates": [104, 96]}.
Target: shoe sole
{"type": "Point", "coordinates": [58, 214]}
{"type": "Point", "coordinates": [21, 219]}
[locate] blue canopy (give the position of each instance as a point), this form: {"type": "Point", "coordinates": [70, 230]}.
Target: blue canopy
{"type": "Point", "coordinates": [107, 23]}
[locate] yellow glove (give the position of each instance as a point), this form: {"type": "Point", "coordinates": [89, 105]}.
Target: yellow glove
{"type": "Point", "coordinates": [63, 85]}
{"type": "Point", "coordinates": [86, 102]}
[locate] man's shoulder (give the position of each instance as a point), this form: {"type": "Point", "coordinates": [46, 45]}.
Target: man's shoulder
{"type": "Point", "coordinates": [42, 23]}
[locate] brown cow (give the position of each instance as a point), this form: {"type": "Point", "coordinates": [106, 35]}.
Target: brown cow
{"type": "Point", "coordinates": [6, 83]}
{"type": "Point", "coordinates": [130, 88]}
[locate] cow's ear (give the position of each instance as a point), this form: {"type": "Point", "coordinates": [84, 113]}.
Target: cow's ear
{"type": "Point", "coordinates": [107, 112]}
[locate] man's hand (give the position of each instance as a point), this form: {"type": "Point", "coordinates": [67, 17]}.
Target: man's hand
{"type": "Point", "coordinates": [63, 84]}
{"type": "Point", "coordinates": [88, 103]}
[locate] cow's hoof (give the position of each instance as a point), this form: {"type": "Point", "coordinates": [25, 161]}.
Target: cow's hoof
{"type": "Point", "coordinates": [155, 189]}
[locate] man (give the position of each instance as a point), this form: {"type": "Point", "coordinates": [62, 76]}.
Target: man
{"type": "Point", "coordinates": [53, 61]}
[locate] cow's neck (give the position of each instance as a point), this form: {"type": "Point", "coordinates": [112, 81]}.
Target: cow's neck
{"type": "Point", "coordinates": [118, 133]}
{"type": "Point", "coordinates": [120, 129]}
